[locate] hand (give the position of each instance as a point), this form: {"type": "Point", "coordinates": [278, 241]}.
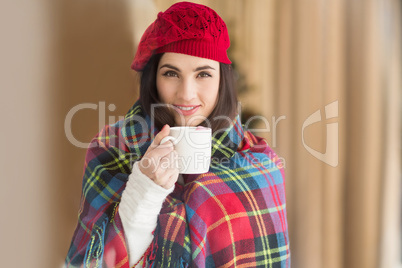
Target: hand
{"type": "Point", "coordinates": [160, 161]}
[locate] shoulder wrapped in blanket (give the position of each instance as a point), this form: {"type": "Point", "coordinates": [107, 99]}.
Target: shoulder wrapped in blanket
{"type": "Point", "coordinates": [233, 215]}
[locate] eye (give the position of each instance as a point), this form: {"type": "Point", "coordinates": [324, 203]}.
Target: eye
{"type": "Point", "coordinates": [170, 74]}
{"type": "Point", "coordinates": [204, 74]}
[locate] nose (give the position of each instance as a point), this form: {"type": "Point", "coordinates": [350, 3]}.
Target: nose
{"type": "Point", "coordinates": [187, 90]}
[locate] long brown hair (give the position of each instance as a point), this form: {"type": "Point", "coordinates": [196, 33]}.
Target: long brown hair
{"type": "Point", "coordinates": [219, 119]}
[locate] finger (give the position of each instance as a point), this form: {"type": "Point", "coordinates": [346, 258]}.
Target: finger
{"type": "Point", "coordinates": [159, 152]}
{"type": "Point", "coordinates": [167, 165]}
{"type": "Point", "coordinates": [174, 159]}
{"type": "Point", "coordinates": [151, 161]}
{"type": "Point", "coordinates": [162, 176]}
{"type": "Point", "coordinates": [172, 179]}
{"type": "Point", "coordinates": [173, 171]}
{"type": "Point", "coordinates": [168, 143]}
{"type": "Point", "coordinates": [163, 133]}
{"type": "Point", "coordinates": [169, 161]}
{"type": "Point", "coordinates": [167, 177]}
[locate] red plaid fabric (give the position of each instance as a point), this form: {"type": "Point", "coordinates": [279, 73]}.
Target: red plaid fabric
{"type": "Point", "coordinates": [232, 216]}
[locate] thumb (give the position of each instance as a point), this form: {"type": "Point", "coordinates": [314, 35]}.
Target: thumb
{"type": "Point", "coordinates": [163, 133]}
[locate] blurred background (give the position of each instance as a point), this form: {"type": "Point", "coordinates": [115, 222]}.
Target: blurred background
{"type": "Point", "coordinates": [323, 77]}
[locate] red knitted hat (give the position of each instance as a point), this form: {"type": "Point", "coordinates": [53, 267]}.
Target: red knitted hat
{"type": "Point", "coordinates": [186, 28]}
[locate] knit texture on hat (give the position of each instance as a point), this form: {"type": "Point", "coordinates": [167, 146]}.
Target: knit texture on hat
{"type": "Point", "coordinates": [186, 28]}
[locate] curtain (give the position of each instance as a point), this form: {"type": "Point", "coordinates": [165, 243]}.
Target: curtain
{"type": "Point", "coordinates": [331, 70]}
{"type": "Point", "coordinates": [325, 76]}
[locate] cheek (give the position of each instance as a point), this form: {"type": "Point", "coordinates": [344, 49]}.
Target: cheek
{"type": "Point", "coordinates": [161, 90]}
{"type": "Point", "coordinates": [214, 96]}
{"type": "Point", "coordinates": [210, 98]}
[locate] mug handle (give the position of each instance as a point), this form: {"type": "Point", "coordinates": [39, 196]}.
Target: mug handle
{"type": "Point", "coordinates": [168, 138]}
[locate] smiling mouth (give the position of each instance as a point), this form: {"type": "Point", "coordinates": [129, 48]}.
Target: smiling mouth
{"type": "Point", "coordinates": [186, 108]}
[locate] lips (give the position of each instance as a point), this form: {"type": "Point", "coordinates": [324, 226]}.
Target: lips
{"type": "Point", "coordinates": [187, 109]}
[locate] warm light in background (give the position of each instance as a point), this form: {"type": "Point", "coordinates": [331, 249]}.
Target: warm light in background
{"type": "Point", "coordinates": [326, 74]}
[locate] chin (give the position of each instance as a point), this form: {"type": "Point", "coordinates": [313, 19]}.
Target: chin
{"type": "Point", "coordinates": [194, 123]}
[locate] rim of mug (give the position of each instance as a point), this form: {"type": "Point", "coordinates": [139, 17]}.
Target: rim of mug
{"type": "Point", "coordinates": [203, 129]}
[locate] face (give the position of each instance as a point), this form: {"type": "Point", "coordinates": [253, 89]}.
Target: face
{"type": "Point", "coordinates": [190, 85]}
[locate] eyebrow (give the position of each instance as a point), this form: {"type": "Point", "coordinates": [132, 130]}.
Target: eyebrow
{"type": "Point", "coordinates": [170, 66]}
{"type": "Point", "coordinates": [203, 68]}
{"type": "Point", "coordinates": [177, 69]}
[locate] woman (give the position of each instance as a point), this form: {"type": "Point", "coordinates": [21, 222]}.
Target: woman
{"type": "Point", "coordinates": [137, 212]}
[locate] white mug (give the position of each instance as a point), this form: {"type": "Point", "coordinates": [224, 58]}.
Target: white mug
{"type": "Point", "coordinates": [193, 146]}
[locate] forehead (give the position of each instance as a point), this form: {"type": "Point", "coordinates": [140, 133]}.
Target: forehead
{"type": "Point", "coordinates": [186, 61]}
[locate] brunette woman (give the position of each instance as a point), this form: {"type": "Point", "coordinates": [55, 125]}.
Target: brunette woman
{"type": "Point", "coordinates": [136, 211]}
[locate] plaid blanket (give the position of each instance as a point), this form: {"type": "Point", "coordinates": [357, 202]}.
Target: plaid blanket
{"type": "Point", "coordinates": [232, 216]}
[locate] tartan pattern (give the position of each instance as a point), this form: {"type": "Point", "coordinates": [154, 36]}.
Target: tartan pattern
{"type": "Point", "coordinates": [232, 216]}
